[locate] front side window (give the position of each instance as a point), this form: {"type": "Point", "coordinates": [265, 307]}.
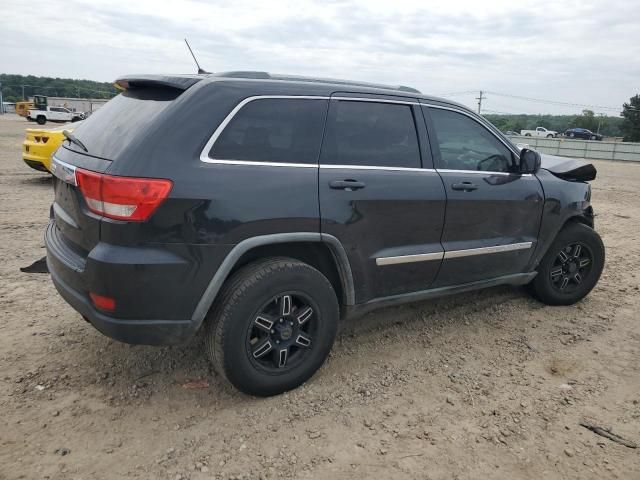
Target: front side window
{"type": "Point", "coordinates": [273, 130]}
{"type": "Point", "coordinates": [467, 145]}
{"type": "Point", "coordinates": [371, 134]}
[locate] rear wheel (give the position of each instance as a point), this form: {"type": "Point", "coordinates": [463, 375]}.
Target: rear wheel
{"type": "Point", "coordinates": [41, 119]}
{"type": "Point", "coordinates": [272, 326]}
{"type": "Point", "coordinates": [571, 267]}
{"type": "Point", "coordinates": [572, 135]}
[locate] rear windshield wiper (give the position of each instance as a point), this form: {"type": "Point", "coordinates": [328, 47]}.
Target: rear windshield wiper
{"type": "Point", "coordinates": [73, 139]}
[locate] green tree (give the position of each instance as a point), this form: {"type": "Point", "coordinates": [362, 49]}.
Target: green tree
{"type": "Point", "coordinates": [631, 124]}
{"type": "Point", "coordinates": [587, 120]}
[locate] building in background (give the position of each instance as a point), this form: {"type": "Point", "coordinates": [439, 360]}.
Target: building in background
{"type": "Point", "coordinates": [77, 104]}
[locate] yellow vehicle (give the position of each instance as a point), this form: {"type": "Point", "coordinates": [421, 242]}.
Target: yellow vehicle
{"type": "Point", "coordinates": [40, 143]}
{"type": "Point", "coordinates": [22, 108]}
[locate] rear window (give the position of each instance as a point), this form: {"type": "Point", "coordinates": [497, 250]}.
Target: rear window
{"type": "Point", "coordinates": [112, 127]}
{"type": "Point", "coordinates": [273, 130]}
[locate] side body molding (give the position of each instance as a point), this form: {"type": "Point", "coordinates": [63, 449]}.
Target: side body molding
{"type": "Point", "coordinates": [339, 254]}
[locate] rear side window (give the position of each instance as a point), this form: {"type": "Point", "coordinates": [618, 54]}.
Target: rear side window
{"type": "Point", "coordinates": [371, 134]}
{"type": "Point", "coordinates": [273, 130]}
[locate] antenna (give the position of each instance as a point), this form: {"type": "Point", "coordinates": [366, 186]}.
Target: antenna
{"type": "Point", "coordinates": [200, 70]}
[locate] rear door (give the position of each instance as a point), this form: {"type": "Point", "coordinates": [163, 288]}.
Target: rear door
{"type": "Point", "coordinates": [379, 194]}
{"type": "Point", "coordinates": [493, 212]}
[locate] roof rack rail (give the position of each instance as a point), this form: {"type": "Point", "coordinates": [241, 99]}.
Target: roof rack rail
{"type": "Point", "coordinates": [295, 78]}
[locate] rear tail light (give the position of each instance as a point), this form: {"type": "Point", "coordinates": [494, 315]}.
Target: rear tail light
{"type": "Point", "coordinates": [122, 198]}
{"type": "Point", "coordinates": [39, 139]}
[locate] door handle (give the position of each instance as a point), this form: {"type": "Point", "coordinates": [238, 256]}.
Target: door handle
{"type": "Point", "coordinates": [464, 186]}
{"type": "Point", "coordinates": [348, 185]}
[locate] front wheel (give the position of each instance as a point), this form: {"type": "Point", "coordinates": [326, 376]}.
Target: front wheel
{"type": "Point", "coordinates": [571, 267]}
{"type": "Point", "coordinates": [41, 119]}
{"type": "Point", "coordinates": [272, 326]}
{"type": "Point", "coordinates": [549, 136]}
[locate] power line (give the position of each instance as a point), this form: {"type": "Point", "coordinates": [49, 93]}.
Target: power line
{"type": "Point", "coordinates": [555, 102]}
{"type": "Point", "coordinates": [453, 94]}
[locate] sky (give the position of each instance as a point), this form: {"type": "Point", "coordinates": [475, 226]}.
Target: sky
{"type": "Point", "coordinates": [583, 53]}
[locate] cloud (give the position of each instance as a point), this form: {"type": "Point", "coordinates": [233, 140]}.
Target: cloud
{"type": "Point", "coordinates": [581, 52]}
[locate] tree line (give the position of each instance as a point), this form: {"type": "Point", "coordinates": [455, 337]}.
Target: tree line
{"type": "Point", "coordinates": [15, 86]}
{"type": "Point", "coordinates": [606, 125]}
{"type": "Point", "coordinates": [627, 125]}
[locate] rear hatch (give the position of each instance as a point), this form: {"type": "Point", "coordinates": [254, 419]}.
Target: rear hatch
{"type": "Point", "coordinates": [117, 126]}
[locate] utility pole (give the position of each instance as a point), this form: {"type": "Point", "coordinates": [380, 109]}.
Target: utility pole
{"type": "Point", "coordinates": [23, 97]}
{"type": "Point", "coordinates": [601, 115]}
{"type": "Point", "coordinates": [480, 98]}
{"type": "Point", "coordinates": [1, 102]}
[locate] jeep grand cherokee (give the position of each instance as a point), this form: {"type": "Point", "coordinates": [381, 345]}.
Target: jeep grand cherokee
{"type": "Point", "coordinates": [259, 209]}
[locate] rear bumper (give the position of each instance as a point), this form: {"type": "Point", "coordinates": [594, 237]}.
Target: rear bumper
{"type": "Point", "coordinates": [140, 332]}
{"type": "Point", "coordinates": [36, 165]}
{"type": "Point", "coordinates": [148, 311]}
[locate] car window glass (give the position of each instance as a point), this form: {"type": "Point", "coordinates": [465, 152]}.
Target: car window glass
{"type": "Point", "coordinates": [371, 134]}
{"type": "Point", "coordinates": [273, 130]}
{"type": "Point", "coordinates": [467, 145]}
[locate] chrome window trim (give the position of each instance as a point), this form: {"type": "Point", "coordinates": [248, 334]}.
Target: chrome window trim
{"type": "Point", "coordinates": [375, 100]}
{"type": "Point", "coordinates": [482, 172]}
{"type": "Point", "coordinates": [263, 164]}
{"type": "Point", "coordinates": [425, 257]}
{"type": "Point", "coordinates": [479, 121]}
{"type": "Point", "coordinates": [375, 167]}
{"type": "Point", "coordinates": [421, 257]}
{"type": "Point", "coordinates": [204, 154]}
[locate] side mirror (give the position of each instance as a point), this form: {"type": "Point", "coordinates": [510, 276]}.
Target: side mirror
{"type": "Point", "coordinates": [530, 161]}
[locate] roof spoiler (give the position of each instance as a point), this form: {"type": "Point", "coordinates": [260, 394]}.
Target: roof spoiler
{"type": "Point", "coordinates": [179, 82]}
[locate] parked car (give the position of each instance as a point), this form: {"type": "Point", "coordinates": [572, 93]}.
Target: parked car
{"type": "Point", "coordinates": [539, 132]}
{"type": "Point", "coordinates": [259, 213]}
{"type": "Point", "coordinates": [40, 143]}
{"type": "Point", "coordinates": [511, 133]}
{"type": "Point", "coordinates": [54, 114]}
{"type": "Point", "coordinates": [583, 133]}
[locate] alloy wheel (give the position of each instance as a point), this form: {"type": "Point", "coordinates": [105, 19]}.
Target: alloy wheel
{"type": "Point", "coordinates": [571, 267]}
{"type": "Point", "coordinates": [280, 336]}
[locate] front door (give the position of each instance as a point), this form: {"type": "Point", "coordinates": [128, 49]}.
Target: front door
{"type": "Point", "coordinates": [493, 212]}
{"type": "Point", "coordinates": [376, 197]}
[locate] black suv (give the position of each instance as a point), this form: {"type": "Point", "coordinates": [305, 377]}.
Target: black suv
{"type": "Point", "coordinates": [261, 209]}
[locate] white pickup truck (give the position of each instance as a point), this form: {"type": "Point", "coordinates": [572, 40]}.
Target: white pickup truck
{"type": "Point", "coordinates": [54, 114]}
{"type": "Point", "coordinates": [539, 132]}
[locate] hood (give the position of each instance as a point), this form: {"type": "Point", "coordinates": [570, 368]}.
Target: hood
{"type": "Point", "coordinates": [571, 169]}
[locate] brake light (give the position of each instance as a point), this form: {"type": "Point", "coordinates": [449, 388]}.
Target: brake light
{"type": "Point", "coordinates": [122, 198]}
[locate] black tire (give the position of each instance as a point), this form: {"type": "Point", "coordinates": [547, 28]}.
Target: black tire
{"type": "Point", "coordinates": [553, 288]}
{"type": "Point", "coordinates": [527, 134]}
{"type": "Point", "coordinates": [572, 135]}
{"type": "Point", "coordinates": [549, 136]}
{"type": "Point", "coordinates": [234, 318]}
{"type": "Point", "coordinates": [41, 119]}
{"type": "Point", "coordinates": [593, 137]}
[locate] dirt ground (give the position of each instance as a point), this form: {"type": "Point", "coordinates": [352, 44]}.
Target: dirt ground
{"type": "Point", "coordinates": [484, 385]}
